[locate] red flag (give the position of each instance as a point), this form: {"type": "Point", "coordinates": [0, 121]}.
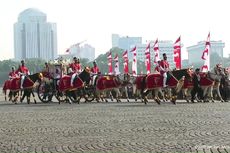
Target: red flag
{"type": "Point", "coordinates": [109, 57]}
{"type": "Point", "coordinates": [156, 51]}
{"type": "Point", "coordinates": [126, 62]}
{"type": "Point", "coordinates": [147, 59]}
{"type": "Point", "coordinates": [116, 69]}
{"type": "Point", "coordinates": [177, 53]}
{"type": "Point", "coordinates": [134, 49]}
{"type": "Point", "coordinates": [134, 63]}
{"type": "Point", "coordinates": [206, 55]}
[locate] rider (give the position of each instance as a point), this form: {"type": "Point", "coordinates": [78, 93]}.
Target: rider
{"type": "Point", "coordinates": [95, 68]}
{"type": "Point", "coordinates": [75, 67]}
{"type": "Point", "coordinates": [158, 68]}
{"type": "Point", "coordinates": [46, 67]}
{"type": "Point", "coordinates": [95, 71]}
{"type": "Point", "coordinates": [23, 72]}
{"type": "Point", "coordinates": [165, 66]}
{"type": "Point", "coordinates": [13, 73]}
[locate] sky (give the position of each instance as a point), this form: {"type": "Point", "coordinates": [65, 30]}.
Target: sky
{"type": "Point", "coordinates": [96, 20]}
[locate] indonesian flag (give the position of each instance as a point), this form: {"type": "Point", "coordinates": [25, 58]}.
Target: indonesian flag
{"type": "Point", "coordinates": [147, 59]}
{"type": "Point", "coordinates": [109, 57]}
{"type": "Point", "coordinates": [206, 55]}
{"type": "Point", "coordinates": [116, 69]}
{"type": "Point", "coordinates": [177, 53]}
{"type": "Point", "coordinates": [156, 51]}
{"type": "Point", "coordinates": [134, 63]}
{"type": "Point", "coordinates": [126, 62]}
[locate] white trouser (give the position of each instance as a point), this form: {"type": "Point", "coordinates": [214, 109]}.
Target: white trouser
{"type": "Point", "coordinates": [22, 80]}
{"type": "Point", "coordinates": [94, 79]}
{"type": "Point", "coordinates": [72, 78]}
{"type": "Point", "coordinates": [164, 79]}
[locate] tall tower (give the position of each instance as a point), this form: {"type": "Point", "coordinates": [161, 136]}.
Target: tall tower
{"type": "Point", "coordinates": [34, 37]}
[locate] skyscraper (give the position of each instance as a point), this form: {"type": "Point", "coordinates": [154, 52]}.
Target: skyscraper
{"type": "Point", "coordinates": [34, 37]}
{"type": "Point", "coordinates": [125, 42]}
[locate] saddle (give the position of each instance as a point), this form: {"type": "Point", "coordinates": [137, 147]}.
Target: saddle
{"type": "Point", "coordinates": [65, 83]}
{"type": "Point", "coordinates": [107, 82]}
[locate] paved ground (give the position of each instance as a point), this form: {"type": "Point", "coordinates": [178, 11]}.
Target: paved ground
{"type": "Point", "coordinates": [114, 127]}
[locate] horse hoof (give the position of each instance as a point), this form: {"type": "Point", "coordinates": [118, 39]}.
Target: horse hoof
{"type": "Point", "coordinates": [174, 102]}
{"type": "Point", "coordinates": [158, 102]}
{"type": "Point", "coordinates": [127, 100]}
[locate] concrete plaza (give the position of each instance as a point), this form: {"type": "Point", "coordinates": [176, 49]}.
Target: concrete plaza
{"type": "Point", "coordinates": [114, 127]}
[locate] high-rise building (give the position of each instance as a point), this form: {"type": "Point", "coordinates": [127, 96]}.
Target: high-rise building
{"type": "Point", "coordinates": [125, 42]}
{"type": "Point", "coordinates": [84, 51]}
{"type": "Point", "coordinates": [34, 37]}
{"type": "Point", "coordinates": [195, 52]}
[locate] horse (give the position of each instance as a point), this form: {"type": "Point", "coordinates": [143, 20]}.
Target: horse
{"type": "Point", "coordinates": [108, 83]}
{"type": "Point", "coordinates": [6, 87]}
{"type": "Point", "coordinates": [175, 81]}
{"type": "Point", "coordinates": [14, 86]}
{"type": "Point", "coordinates": [210, 82]}
{"type": "Point", "coordinates": [77, 91]}
{"type": "Point", "coordinates": [126, 83]}
{"type": "Point", "coordinates": [29, 85]}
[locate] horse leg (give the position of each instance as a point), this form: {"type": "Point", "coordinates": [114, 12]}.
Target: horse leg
{"type": "Point", "coordinates": [33, 97]}
{"type": "Point", "coordinates": [211, 94]}
{"type": "Point", "coordinates": [156, 97]}
{"type": "Point", "coordinates": [117, 95]}
{"type": "Point", "coordinates": [218, 93]}
{"type": "Point", "coordinates": [4, 91]}
{"type": "Point", "coordinates": [110, 95]}
{"type": "Point", "coordinates": [144, 95]}
{"type": "Point", "coordinates": [126, 93]}
{"type": "Point", "coordinates": [23, 96]}
{"type": "Point", "coordinates": [162, 95]}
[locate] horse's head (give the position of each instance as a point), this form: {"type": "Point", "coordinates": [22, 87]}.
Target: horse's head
{"type": "Point", "coordinates": [183, 74]}
{"type": "Point", "coordinates": [40, 76]}
{"type": "Point", "coordinates": [213, 76]}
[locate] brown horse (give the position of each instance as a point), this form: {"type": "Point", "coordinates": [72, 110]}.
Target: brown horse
{"type": "Point", "coordinates": [28, 86]}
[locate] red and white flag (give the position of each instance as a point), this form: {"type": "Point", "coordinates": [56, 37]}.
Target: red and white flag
{"type": "Point", "coordinates": [147, 59]}
{"type": "Point", "coordinates": [109, 57]}
{"type": "Point", "coordinates": [177, 53]}
{"type": "Point", "coordinates": [206, 55]}
{"type": "Point", "coordinates": [126, 62]}
{"type": "Point", "coordinates": [134, 63]}
{"type": "Point", "coordinates": [116, 69]}
{"type": "Point", "coordinates": [156, 51]}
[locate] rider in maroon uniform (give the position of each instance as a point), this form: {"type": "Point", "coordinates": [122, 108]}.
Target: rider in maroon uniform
{"type": "Point", "coordinates": [165, 68]}
{"type": "Point", "coordinates": [23, 71]}
{"type": "Point", "coordinates": [13, 73]}
{"type": "Point", "coordinates": [75, 67]}
{"type": "Point", "coordinates": [95, 71]}
{"type": "Point", "coordinates": [95, 68]}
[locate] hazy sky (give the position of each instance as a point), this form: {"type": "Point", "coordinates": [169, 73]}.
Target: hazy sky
{"type": "Point", "coordinates": [96, 20]}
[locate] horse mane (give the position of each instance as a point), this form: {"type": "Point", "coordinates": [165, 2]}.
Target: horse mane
{"type": "Point", "coordinates": [178, 74]}
{"type": "Point", "coordinates": [85, 76]}
{"type": "Point", "coordinates": [34, 77]}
